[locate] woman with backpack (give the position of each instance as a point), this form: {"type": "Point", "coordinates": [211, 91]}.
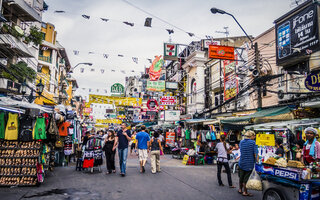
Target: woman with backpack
{"type": "Point", "coordinates": [223, 149]}
{"type": "Point", "coordinates": [155, 147]}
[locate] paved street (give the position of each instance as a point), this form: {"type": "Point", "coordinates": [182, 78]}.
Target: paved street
{"type": "Point", "coordinates": [176, 181]}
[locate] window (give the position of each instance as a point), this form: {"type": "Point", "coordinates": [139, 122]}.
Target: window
{"type": "Point", "coordinates": [43, 35]}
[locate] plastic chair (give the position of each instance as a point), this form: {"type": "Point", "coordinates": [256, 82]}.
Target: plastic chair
{"type": "Point", "coordinates": [201, 160]}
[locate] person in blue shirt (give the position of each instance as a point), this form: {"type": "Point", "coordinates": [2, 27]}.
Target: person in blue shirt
{"type": "Point", "coordinates": [248, 157]}
{"type": "Point", "coordinates": [142, 139]}
{"type": "Point", "coordinates": [124, 137]}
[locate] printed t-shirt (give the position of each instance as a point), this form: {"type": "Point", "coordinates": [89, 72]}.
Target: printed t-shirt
{"type": "Point", "coordinates": [63, 128]}
{"type": "Point", "coordinates": [142, 138]}
{"type": "Point", "coordinates": [123, 141]}
{"type": "Point", "coordinates": [12, 127]}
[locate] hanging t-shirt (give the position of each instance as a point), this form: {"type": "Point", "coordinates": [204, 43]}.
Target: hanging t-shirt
{"type": "Point", "coordinates": [40, 129]}
{"type": "Point", "coordinates": [187, 134]}
{"type": "Point", "coordinates": [25, 128]}
{"type": "Point", "coordinates": [12, 127]}
{"type": "Point", "coordinates": [193, 134]}
{"type": "Point", "coordinates": [2, 125]}
{"type": "Point", "coordinates": [63, 128]}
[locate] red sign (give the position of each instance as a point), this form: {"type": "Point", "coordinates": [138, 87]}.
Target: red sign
{"type": "Point", "coordinates": [168, 100]}
{"type": "Point", "coordinates": [221, 52]}
{"type": "Point", "coordinates": [152, 104]}
{"type": "Point", "coordinates": [170, 139]}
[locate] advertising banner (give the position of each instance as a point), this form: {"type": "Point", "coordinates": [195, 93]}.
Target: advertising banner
{"type": "Point", "coordinates": [168, 100]}
{"type": "Point", "coordinates": [172, 115]}
{"type": "Point", "coordinates": [157, 86]}
{"type": "Point", "coordinates": [298, 34]}
{"type": "Point", "coordinates": [155, 68]}
{"type": "Point", "coordinates": [265, 140]}
{"type": "Point", "coordinates": [170, 51]}
{"type": "Point", "coordinates": [230, 79]}
{"type": "Point", "coordinates": [108, 121]}
{"type": "Point", "coordinates": [206, 42]}
{"type": "Point", "coordinates": [117, 101]}
{"type": "Point", "coordinates": [170, 139]}
{"type": "Point", "coordinates": [221, 52]}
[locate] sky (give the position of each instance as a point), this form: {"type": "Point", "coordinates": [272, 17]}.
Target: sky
{"type": "Point", "coordinates": [114, 37]}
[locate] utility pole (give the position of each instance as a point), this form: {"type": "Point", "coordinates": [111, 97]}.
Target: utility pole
{"type": "Point", "coordinates": [257, 62]}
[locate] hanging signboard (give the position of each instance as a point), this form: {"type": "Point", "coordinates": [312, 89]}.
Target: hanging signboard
{"type": "Point", "coordinates": [117, 101]}
{"type": "Point", "coordinates": [265, 140]}
{"type": "Point", "coordinates": [172, 115]}
{"type": "Point", "coordinates": [108, 121]}
{"type": "Point", "coordinates": [152, 104]}
{"type": "Point", "coordinates": [170, 51]}
{"type": "Point", "coordinates": [206, 42]}
{"type": "Point", "coordinates": [297, 34]}
{"type": "Point", "coordinates": [168, 100]}
{"type": "Point", "coordinates": [171, 85]}
{"type": "Point", "coordinates": [221, 52]}
{"type": "Point", "coordinates": [117, 88]}
{"type": "Point", "coordinates": [157, 86]}
{"type": "Point", "coordinates": [170, 139]}
{"type": "Point", "coordinates": [155, 68]}
{"type": "Point", "coordinates": [230, 79]}
{"type": "Point", "coordinates": [312, 81]}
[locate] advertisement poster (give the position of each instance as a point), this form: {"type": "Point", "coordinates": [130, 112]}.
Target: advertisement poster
{"type": "Point", "coordinates": [221, 52]}
{"type": "Point", "coordinates": [170, 139]}
{"type": "Point", "coordinates": [231, 88]}
{"type": "Point", "coordinates": [298, 34]}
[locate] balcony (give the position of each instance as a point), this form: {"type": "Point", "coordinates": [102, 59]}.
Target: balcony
{"type": "Point", "coordinates": [21, 10]}
{"type": "Point", "coordinates": [47, 59]}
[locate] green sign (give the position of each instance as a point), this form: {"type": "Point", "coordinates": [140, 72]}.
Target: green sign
{"type": "Point", "coordinates": [158, 86]}
{"type": "Point", "coordinates": [117, 88]}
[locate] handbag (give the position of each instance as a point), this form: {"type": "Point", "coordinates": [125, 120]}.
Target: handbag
{"type": "Point", "coordinates": [59, 143]}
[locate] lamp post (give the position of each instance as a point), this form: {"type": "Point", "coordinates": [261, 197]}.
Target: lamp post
{"type": "Point", "coordinates": [216, 10]}
{"type": "Point", "coordinates": [86, 63]}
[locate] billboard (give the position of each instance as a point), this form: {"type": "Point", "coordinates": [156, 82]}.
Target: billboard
{"type": "Point", "coordinates": [221, 52]}
{"type": "Point", "coordinates": [117, 101]}
{"type": "Point", "coordinates": [170, 51]}
{"type": "Point", "coordinates": [230, 79]}
{"type": "Point", "coordinates": [297, 35]}
{"type": "Point", "coordinates": [157, 86]}
{"type": "Point", "coordinates": [155, 68]}
{"type": "Point", "coordinates": [172, 115]}
{"type": "Point", "coordinates": [171, 85]}
{"type": "Point", "coordinates": [168, 100]}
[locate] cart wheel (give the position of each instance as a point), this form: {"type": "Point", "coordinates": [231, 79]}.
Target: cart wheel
{"type": "Point", "coordinates": [272, 194]}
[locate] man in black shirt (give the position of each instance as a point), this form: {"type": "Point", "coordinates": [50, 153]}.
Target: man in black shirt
{"type": "Point", "coordinates": [124, 136]}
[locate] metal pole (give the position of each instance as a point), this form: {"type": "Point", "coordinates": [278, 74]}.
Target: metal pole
{"type": "Point", "coordinates": [257, 61]}
{"type": "Point", "coordinates": [241, 28]}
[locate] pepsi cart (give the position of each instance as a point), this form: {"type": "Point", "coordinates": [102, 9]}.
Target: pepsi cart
{"type": "Point", "coordinates": [281, 183]}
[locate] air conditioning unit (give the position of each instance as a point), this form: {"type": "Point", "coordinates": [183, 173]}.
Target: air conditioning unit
{"type": "Point", "coordinates": [282, 94]}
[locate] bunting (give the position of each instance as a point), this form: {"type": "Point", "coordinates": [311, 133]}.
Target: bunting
{"type": "Point", "coordinates": [147, 23]}
{"type": "Point", "coordinates": [104, 19]}
{"type": "Point", "coordinates": [135, 59]}
{"type": "Point", "coordinates": [86, 16]}
{"type": "Point", "coordinates": [128, 23]}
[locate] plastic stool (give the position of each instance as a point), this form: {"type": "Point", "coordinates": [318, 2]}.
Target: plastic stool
{"type": "Point", "coordinates": [191, 160]}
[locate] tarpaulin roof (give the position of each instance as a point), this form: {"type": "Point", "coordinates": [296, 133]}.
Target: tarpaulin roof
{"type": "Point", "coordinates": [262, 113]}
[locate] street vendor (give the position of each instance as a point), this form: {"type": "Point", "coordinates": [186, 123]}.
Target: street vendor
{"type": "Point", "coordinates": [311, 149]}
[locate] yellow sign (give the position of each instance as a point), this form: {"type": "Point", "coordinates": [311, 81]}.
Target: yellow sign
{"type": "Point", "coordinates": [265, 140]}
{"type": "Point", "coordinates": [185, 159]}
{"type": "Point", "coordinates": [108, 121]}
{"type": "Point", "coordinates": [101, 126]}
{"type": "Point", "coordinates": [117, 101]}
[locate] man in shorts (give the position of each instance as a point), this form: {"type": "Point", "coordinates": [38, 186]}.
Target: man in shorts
{"type": "Point", "coordinates": [248, 157]}
{"type": "Point", "coordinates": [142, 139]}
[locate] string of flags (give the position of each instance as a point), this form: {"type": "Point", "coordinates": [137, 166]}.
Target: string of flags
{"type": "Point", "coordinates": [147, 23]}
{"type": "Point", "coordinates": [102, 71]}
{"type": "Point", "coordinates": [95, 90]}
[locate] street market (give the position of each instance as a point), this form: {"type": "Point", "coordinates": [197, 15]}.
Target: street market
{"type": "Point", "coordinates": [125, 110]}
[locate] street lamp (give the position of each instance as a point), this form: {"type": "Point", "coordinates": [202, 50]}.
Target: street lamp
{"type": "Point", "coordinates": [71, 71]}
{"type": "Point", "coordinates": [40, 87]}
{"type": "Point", "coordinates": [216, 10]}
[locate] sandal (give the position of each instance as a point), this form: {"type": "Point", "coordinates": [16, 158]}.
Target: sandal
{"type": "Point", "coordinates": [240, 192]}
{"type": "Point", "coordinates": [247, 195]}
{"type": "Point", "coordinates": [232, 186]}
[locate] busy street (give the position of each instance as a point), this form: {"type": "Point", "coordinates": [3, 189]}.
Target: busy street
{"type": "Point", "coordinates": [161, 99]}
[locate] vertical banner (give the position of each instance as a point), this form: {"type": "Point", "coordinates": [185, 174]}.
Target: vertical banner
{"type": "Point", "coordinates": [170, 139]}
{"type": "Point", "coordinates": [231, 88]}
{"type": "Point", "coordinates": [155, 68]}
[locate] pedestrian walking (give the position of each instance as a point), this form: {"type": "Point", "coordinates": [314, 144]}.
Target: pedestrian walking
{"type": "Point", "coordinates": [124, 136]}
{"type": "Point", "coordinates": [111, 143]}
{"type": "Point", "coordinates": [223, 150]}
{"type": "Point", "coordinates": [155, 147]}
{"type": "Point", "coordinates": [133, 144]}
{"type": "Point", "coordinates": [142, 140]}
{"type": "Point", "coordinates": [248, 157]}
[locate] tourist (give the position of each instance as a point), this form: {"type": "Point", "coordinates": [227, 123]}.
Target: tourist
{"type": "Point", "coordinates": [223, 150]}
{"type": "Point", "coordinates": [311, 149]}
{"type": "Point", "coordinates": [124, 136]}
{"type": "Point", "coordinates": [248, 157]}
{"type": "Point", "coordinates": [142, 145]}
{"type": "Point", "coordinates": [155, 147]}
{"type": "Point", "coordinates": [111, 143]}
{"type": "Point", "coordinates": [133, 144]}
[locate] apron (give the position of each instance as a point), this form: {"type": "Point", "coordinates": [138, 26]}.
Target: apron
{"type": "Point", "coordinates": [2, 125]}
{"type": "Point", "coordinates": [306, 157]}
{"type": "Point", "coordinates": [40, 129]}
{"type": "Point", "coordinates": [12, 127]}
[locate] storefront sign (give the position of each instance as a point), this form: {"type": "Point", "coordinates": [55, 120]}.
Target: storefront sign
{"type": "Point", "coordinates": [152, 104]}
{"type": "Point", "coordinates": [171, 85]}
{"type": "Point", "coordinates": [117, 101]}
{"type": "Point", "coordinates": [168, 100]}
{"type": "Point", "coordinates": [170, 51]}
{"type": "Point", "coordinates": [312, 81]}
{"type": "Point", "coordinates": [205, 43]}
{"type": "Point", "coordinates": [170, 139]}
{"type": "Point", "coordinates": [221, 52]}
{"type": "Point", "coordinates": [265, 140]}
{"type": "Point", "coordinates": [230, 79]}
{"type": "Point", "coordinates": [117, 88]}
{"type": "Point", "coordinates": [108, 121]}
{"type": "Point", "coordinates": [297, 34]}
{"type": "Point", "coordinates": [157, 86]}
{"type": "Point", "coordinates": [172, 115]}
{"type": "Point", "coordinates": [286, 174]}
